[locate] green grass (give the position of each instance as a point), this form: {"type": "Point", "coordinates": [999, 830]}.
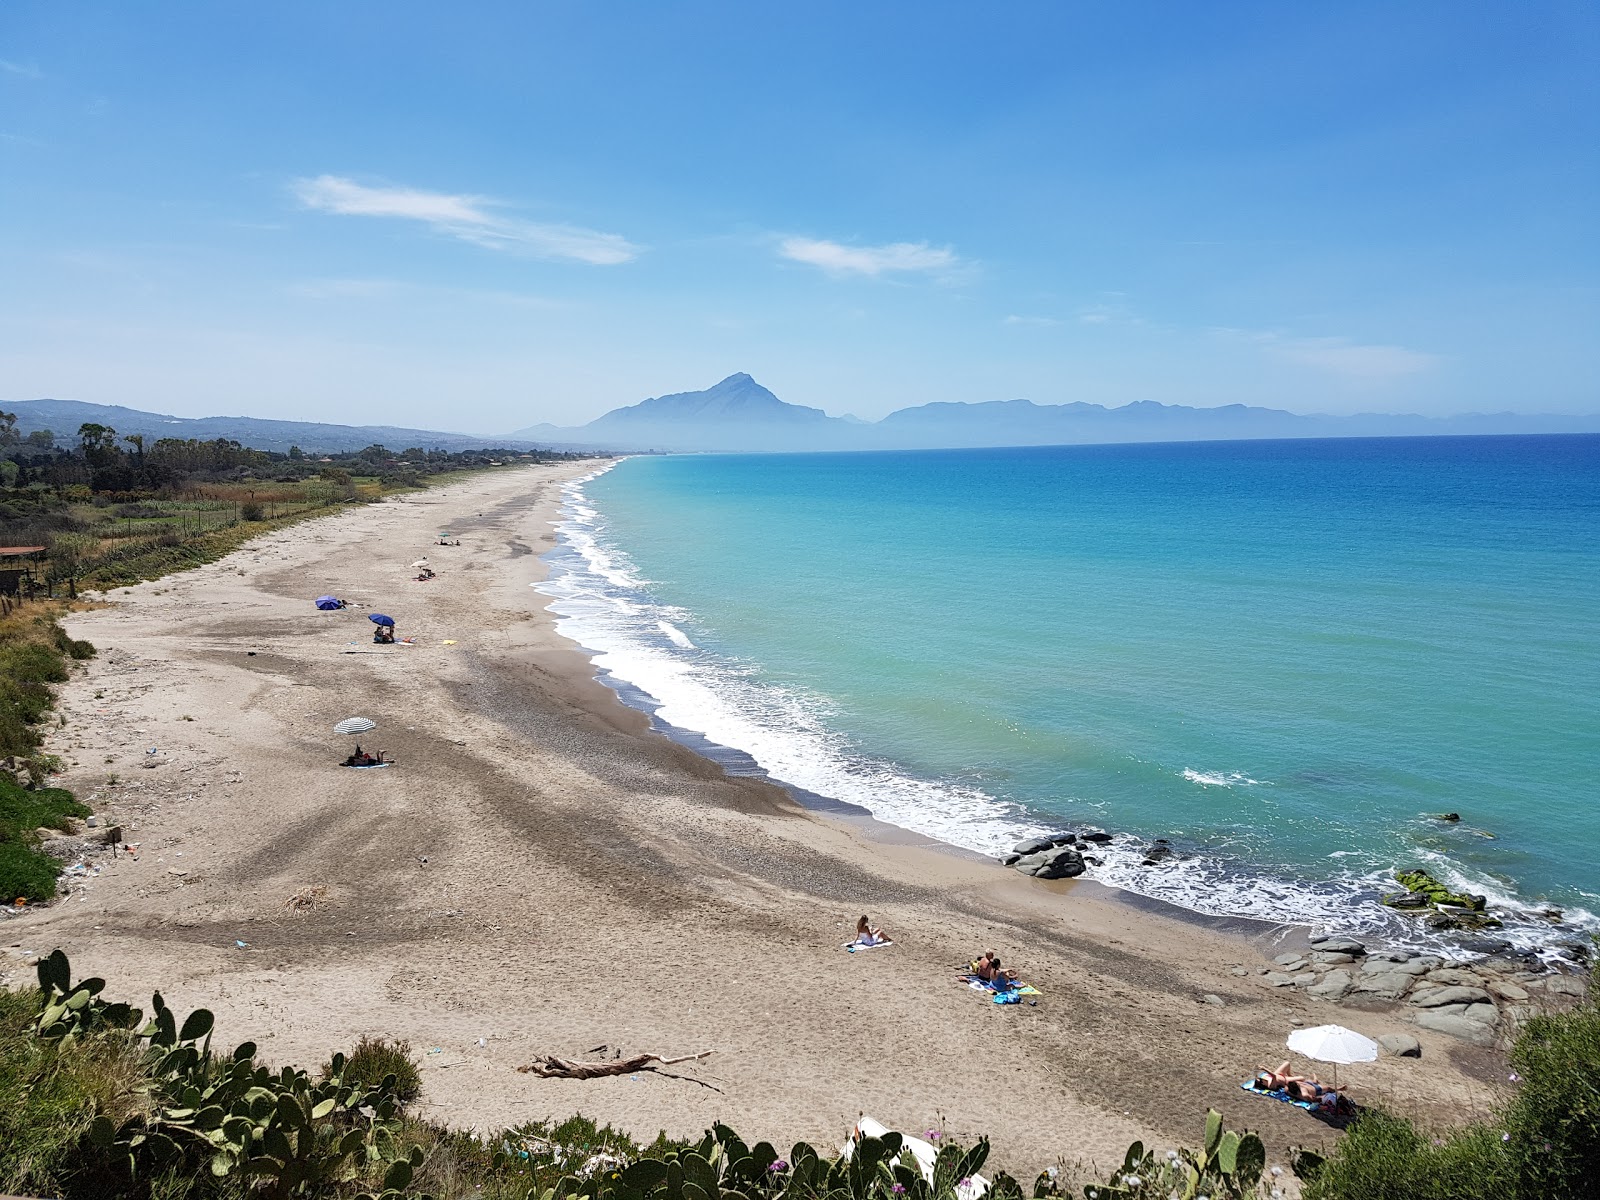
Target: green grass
{"type": "Point", "coordinates": [49, 1095]}
{"type": "Point", "coordinates": [25, 871]}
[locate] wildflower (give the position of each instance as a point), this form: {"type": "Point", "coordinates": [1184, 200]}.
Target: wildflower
{"type": "Point", "coordinates": [1132, 1181]}
{"type": "Point", "coordinates": [777, 1165]}
{"type": "Point", "coordinates": [934, 1135]}
{"type": "Point", "coordinates": [967, 1182]}
{"type": "Point", "coordinates": [1514, 1077]}
{"type": "Point", "coordinates": [898, 1189]}
{"type": "Point", "coordinates": [1505, 1137]}
{"type": "Point", "coordinates": [1277, 1170]}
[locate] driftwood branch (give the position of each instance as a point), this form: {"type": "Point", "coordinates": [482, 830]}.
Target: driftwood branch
{"type": "Point", "coordinates": [550, 1067]}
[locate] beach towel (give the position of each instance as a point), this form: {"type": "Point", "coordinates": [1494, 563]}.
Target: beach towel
{"type": "Point", "coordinates": [1344, 1103]}
{"type": "Point", "coordinates": [852, 947]}
{"type": "Point", "coordinates": [979, 985]}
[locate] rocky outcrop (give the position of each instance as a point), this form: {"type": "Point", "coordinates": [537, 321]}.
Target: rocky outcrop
{"type": "Point", "coordinates": [1482, 1002]}
{"type": "Point", "coordinates": [1062, 862]}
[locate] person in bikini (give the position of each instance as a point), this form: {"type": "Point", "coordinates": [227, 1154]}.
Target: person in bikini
{"type": "Point", "coordinates": [868, 934]}
{"type": "Point", "coordinates": [1299, 1087]}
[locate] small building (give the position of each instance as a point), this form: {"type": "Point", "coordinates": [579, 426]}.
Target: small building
{"type": "Point", "coordinates": [16, 569]}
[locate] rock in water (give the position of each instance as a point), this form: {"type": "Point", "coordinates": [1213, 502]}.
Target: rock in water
{"type": "Point", "coordinates": [1032, 846]}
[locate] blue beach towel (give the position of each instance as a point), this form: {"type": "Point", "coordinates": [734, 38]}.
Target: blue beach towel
{"type": "Point", "coordinates": [1308, 1105]}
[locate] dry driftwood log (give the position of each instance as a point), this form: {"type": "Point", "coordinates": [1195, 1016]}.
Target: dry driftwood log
{"type": "Point", "coordinates": [550, 1067]}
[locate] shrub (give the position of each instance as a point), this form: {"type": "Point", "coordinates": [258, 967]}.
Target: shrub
{"type": "Point", "coordinates": [24, 870]}
{"type": "Point", "coordinates": [1553, 1122]}
{"type": "Point", "coordinates": [375, 1058]}
{"type": "Point", "coordinates": [25, 873]}
{"type": "Point", "coordinates": [252, 511]}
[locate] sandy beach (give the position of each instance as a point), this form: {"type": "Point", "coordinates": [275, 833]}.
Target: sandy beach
{"type": "Point", "coordinates": [540, 873]}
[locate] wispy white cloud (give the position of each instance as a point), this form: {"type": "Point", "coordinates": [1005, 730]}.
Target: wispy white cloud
{"type": "Point", "coordinates": [469, 218]}
{"type": "Point", "coordinates": [381, 289]}
{"type": "Point", "coordinates": [895, 258]}
{"type": "Point", "coordinates": [1040, 322]}
{"type": "Point", "coordinates": [25, 70]}
{"type": "Point", "coordinates": [1367, 362]}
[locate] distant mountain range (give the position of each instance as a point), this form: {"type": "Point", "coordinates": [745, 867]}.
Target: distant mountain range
{"type": "Point", "coordinates": [739, 414]}
{"type": "Point", "coordinates": [62, 417]}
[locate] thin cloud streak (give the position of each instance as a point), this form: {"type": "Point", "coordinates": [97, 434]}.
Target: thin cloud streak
{"type": "Point", "coordinates": [467, 218]}
{"type": "Point", "coordinates": [897, 257]}
{"type": "Point", "coordinates": [25, 70]}
{"type": "Point", "coordinates": [1371, 363]}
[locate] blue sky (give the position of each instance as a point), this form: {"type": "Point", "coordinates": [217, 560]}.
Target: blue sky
{"type": "Point", "coordinates": [482, 216]}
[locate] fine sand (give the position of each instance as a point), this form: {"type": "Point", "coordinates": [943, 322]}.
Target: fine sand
{"type": "Point", "coordinates": [542, 874]}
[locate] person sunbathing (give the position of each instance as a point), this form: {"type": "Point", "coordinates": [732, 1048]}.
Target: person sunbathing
{"type": "Point", "coordinates": [868, 934]}
{"type": "Point", "coordinates": [1300, 1087]}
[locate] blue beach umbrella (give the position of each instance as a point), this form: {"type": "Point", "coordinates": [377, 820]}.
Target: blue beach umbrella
{"type": "Point", "coordinates": [380, 619]}
{"type": "Point", "coordinates": [327, 603]}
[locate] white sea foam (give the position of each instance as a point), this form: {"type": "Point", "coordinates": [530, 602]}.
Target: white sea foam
{"type": "Point", "coordinates": [603, 604]}
{"type": "Point", "coordinates": [675, 635]}
{"type": "Point", "coordinates": [1217, 778]}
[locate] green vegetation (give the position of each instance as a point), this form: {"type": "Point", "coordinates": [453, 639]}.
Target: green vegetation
{"type": "Point", "coordinates": [373, 1059]}
{"type": "Point", "coordinates": [1543, 1143]}
{"type": "Point", "coordinates": [112, 511]}
{"type": "Point", "coordinates": [34, 652]}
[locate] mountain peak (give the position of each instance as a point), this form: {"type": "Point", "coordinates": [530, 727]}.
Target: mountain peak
{"type": "Point", "coordinates": [738, 398]}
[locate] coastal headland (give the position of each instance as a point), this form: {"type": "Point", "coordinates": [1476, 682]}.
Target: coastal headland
{"type": "Point", "coordinates": [541, 873]}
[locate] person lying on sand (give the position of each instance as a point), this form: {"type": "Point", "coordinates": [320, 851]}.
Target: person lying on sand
{"type": "Point", "coordinates": [1300, 1087]}
{"type": "Point", "coordinates": [868, 934]}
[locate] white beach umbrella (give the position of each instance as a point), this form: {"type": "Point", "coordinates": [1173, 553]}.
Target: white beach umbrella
{"type": "Point", "coordinates": [421, 562]}
{"type": "Point", "coordinates": [1333, 1044]}
{"type": "Point", "coordinates": [355, 725]}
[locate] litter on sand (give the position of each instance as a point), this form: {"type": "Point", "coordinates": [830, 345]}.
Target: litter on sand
{"type": "Point", "coordinates": [549, 1067]}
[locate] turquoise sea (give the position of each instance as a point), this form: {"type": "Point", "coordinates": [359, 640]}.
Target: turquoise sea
{"type": "Point", "coordinates": [1285, 657]}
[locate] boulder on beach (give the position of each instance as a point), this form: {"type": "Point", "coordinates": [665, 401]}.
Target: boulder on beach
{"type": "Point", "coordinates": [1061, 862]}
{"type": "Point", "coordinates": [1458, 1026]}
{"type": "Point", "coordinates": [1401, 1045]}
{"type": "Point", "coordinates": [1033, 845]}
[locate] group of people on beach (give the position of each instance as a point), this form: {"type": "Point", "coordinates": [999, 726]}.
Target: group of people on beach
{"type": "Point", "coordinates": [1300, 1087]}
{"type": "Point", "coordinates": [988, 970]}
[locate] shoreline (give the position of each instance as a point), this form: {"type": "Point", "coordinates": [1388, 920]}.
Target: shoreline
{"type": "Point", "coordinates": [546, 873]}
{"type": "Point", "coordinates": [1346, 906]}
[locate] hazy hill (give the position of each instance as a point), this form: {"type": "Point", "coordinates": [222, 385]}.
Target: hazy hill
{"type": "Point", "coordinates": [740, 414]}
{"type": "Point", "coordinates": [735, 414]}
{"type": "Point", "coordinates": [62, 417]}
